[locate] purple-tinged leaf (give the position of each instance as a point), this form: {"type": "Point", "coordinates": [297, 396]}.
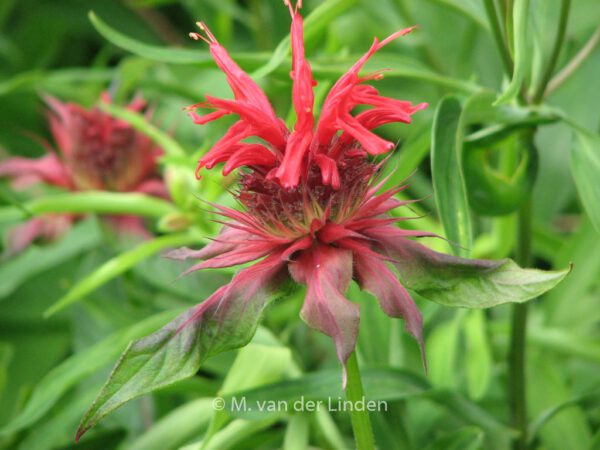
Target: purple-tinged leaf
{"type": "Point", "coordinates": [468, 283]}
{"type": "Point", "coordinates": [226, 320]}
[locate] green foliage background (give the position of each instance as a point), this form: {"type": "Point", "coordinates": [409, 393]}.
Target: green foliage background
{"type": "Point", "coordinates": [51, 367]}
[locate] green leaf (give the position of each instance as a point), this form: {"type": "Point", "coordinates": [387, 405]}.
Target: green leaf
{"type": "Point", "coordinates": [140, 123]}
{"type": "Point", "coordinates": [177, 427]}
{"type": "Point", "coordinates": [164, 54]}
{"type": "Point", "coordinates": [448, 180]}
{"type": "Point", "coordinates": [255, 365]}
{"type": "Point", "coordinates": [225, 321]}
{"type": "Point", "coordinates": [37, 259]}
{"type": "Point", "coordinates": [478, 354]}
{"type": "Point", "coordinates": [66, 375]}
{"type": "Point", "coordinates": [296, 433]}
{"type": "Point", "coordinates": [585, 166]}
{"type": "Point", "coordinates": [442, 348]}
{"type": "Point", "coordinates": [591, 400]}
{"type": "Point", "coordinates": [469, 283]}
{"type": "Point", "coordinates": [549, 387]}
{"type": "Point", "coordinates": [236, 433]}
{"type": "Point", "coordinates": [467, 438]}
{"type": "Point", "coordinates": [380, 384]}
{"type": "Point", "coordinates": [118, 265]}
{"type": "Point", "coordinates": [168, 55]}
{"type": "Point", "coordinates": [521, 56]}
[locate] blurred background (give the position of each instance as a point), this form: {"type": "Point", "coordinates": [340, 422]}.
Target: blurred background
{"type": "Point", "coordinates": [52, 367]}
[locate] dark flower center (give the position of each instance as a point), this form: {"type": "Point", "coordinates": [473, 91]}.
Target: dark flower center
{"type": "Point", "coordinates": [298, 211]}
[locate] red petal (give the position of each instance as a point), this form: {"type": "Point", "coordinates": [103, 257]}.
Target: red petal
{"type": "Point", "coordinates": [48, 169]}
{"type": "Point", "coordinates": [250, 155]}
{"type": "Point", "coordinates": [374, 276]}
{"type": "Point", "coordinates": [327, 272]}
{"type": "Point", "coordinates": [329, 170]}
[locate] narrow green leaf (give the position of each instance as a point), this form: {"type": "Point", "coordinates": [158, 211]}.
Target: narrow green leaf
{"type": "Point", "coordinates": [591, 399]}
{"type": "Point", "coordinates": [165, 54]}
{"type": "Point", "coordinates": [442, 352]}
{"type": "Point", "coordinates": [448, 180]}
{"type": "Point", "coordinates": [467, 438]}
{"type": "Point", "coordinates": [521, 56]}
{"type": "Point", "coordinates": [380, 384]}
{"type": "Point", "coordinates": [36, 259]}
{"type": "Point", "coordinates": [478, 354]}
{"type": "Point", "coordinates": [140, 123]}
{"type": "Point", "coordinates": [235, 434]}
{"type": "Point", "coordinates": [177, 427]}
{"type": "Point", "coordinates": [585, 166]}
{"type": "Point", "coordinates": [74, 369]}
{"type": "Point", "coordinates": [168, 55]}
{"type": "Point", "coordinates": [118, 265]}
{"type": "Point", "coordinates": [296, 433]}
{"type": "Point", "coordinates": [570, 429]}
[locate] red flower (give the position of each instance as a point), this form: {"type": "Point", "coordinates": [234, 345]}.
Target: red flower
{"type": "Point", "coordinates": [287, 156]}
{"type": "Point", "coordinates": [95, 152]}
{"type": "Point", "coordinates": [311, 202]}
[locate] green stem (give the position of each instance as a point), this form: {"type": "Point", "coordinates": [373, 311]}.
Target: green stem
{"type": "Point", "coordinates": [490, 10]}
{"type": "Point", "coordinates": [565, 7]}
{"type": "Point", "coordinates": [361, 424]}
{"type": "Point", "coordinates": [516, 359]}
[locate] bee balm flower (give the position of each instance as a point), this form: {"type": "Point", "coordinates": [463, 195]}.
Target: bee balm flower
{"type": "Point", "coordinates": [96, 152]}
{"type": "Point", "coordinates": [310, 198]}
{"type": "Point", "coordinates": [313, 214]}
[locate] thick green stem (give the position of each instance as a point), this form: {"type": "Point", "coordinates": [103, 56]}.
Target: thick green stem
{"type": "Point", "coordinates": [565, 7]}
{"type": "Point", "coordinates": [361, 424]}
{"type": "Point", "coordinates": [516, 359]}
{"type": "Point", "coordinates": [490, 10]}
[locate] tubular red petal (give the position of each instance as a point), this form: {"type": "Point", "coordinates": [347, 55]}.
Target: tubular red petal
{"type": "Point", "coordinates": [250, 155]}
{"type": "Point", "coordinates": [329, 171]}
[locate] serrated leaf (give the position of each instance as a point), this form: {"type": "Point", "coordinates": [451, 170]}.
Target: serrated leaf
{"type": "Point", "coordinates": [468, 283]}
{"type": "Point", "coordinates": [585, 166]}
{"type": "Point", "coordinates": [226, 320]}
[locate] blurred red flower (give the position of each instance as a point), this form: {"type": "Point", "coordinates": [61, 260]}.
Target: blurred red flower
{"type": "Point", "coordinates": [95, 152]}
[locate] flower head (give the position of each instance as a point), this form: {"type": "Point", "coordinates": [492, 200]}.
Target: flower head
{"type": "Point", "coordinates": [286, 156]}
{"type": "Point", "coordinates": [95, 152]}
{"type": "Point", "coordinates": [310, 196]}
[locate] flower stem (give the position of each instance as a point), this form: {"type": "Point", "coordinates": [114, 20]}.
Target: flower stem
{"type": "Point", "coordinates": [490, 10]}
{"type": "Point", "coordinates": [361, 424]}
{"type": "Point", "coordinates": [516, 359]}
{"type": "Point", "coordinates": [558, 42]}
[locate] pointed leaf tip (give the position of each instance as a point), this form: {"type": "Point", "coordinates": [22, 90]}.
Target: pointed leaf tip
{"type": "Point", "coordinates": [226, 320]}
